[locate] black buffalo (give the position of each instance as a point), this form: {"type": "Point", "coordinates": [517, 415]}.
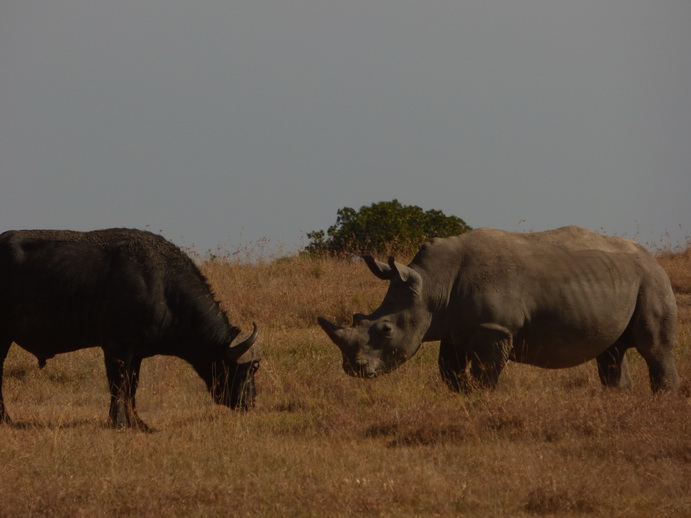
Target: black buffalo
{"type": "Point", "coordinates": [130, 292]}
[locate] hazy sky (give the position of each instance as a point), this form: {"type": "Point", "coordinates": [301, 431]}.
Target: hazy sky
{"type": "Point", "coordinates": [221, 123]}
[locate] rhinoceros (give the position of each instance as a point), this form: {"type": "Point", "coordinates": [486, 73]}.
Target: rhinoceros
{"type": "Point", "coordinates": [551, 299]}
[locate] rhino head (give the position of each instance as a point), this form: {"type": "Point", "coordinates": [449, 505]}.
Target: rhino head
{"type": "Point", "coordinates": [380, 342]}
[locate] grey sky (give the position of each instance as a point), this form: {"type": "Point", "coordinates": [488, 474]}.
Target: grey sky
{"type": "Point", "coordinates": [225, 122]}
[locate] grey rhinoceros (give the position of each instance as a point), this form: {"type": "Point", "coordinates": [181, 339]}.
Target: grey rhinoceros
{"type": "Point", "coordinates": [552, 299]}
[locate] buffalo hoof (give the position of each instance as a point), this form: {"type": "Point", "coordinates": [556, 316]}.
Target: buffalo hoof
{"type": "Point", "coordinates": [139, 427]}
{"type": "Point", "coordinates": [132, 423]}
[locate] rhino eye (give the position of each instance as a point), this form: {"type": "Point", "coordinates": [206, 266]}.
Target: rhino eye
{"type": "Point", "coordinates": [403, 323]}
{"type": "Point", "coordinates": [386, 330]}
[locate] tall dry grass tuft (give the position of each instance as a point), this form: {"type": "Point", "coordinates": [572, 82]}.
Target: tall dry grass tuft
{"type": "Point", "coordinates": [291, 292]}
{"type": "Point", "coordinates": [678, 267]}
{"type": "Point", "coordinates": [545, 443]}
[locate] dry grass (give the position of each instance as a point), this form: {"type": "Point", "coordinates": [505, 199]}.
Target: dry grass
{"type": "Point", "coordinates": [545, 443]}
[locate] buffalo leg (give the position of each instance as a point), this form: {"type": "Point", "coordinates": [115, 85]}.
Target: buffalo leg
{"type": "Point", "coordinates": [133, 377]}
{"type": "Point", "coordinates": [452, 366]}
{"type": "Point", "coordinates": [490, 351]}
{"type": "Point", "coordinates": [4, 348]}
{"type": "Point", "coordinates": [613, 367]}
{"type": "Point", "coordinates": [123, 378]}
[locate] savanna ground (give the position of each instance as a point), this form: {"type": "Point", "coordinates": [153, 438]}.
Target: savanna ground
{"type": "Point", "coordinates": [318, 443]}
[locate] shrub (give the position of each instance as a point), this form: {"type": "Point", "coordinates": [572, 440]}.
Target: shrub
{"type": "Point", "coordinates": [387, 227]}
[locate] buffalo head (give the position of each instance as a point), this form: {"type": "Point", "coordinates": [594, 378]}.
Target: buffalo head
{"type": "Point", "coordinates": [380, 342]}
{"type": "Point", "coordinates": [230, 378]}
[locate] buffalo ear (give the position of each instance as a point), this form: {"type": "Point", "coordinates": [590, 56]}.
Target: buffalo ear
{"type": "Point", "coordinates": [253, 356]}
{"type": "Point", "coordinates": [381, 270]}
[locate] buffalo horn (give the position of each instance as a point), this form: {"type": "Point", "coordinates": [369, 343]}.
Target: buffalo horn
{"type": "Point", "coordinates": [234, 352]}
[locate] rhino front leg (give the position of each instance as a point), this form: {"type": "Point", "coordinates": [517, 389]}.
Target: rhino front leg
{"type": "Point", "coordinates": [452, 366]}
{"type": "Point", "coordinates": [613, 367]}
{"type": "Point", "coordinates": [490, 347]}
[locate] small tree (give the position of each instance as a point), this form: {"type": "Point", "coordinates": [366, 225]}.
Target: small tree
{"type": "Point", "coordinates": [387, 227]}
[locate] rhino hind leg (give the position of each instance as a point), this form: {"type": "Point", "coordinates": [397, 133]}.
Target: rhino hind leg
{"type": "Point", "coordinates": [490, 348]}
{"type": "Point", "coordinates": [453, 363]}
{"type": "Point", "coordinates": [653, 333]}
{"type": "Point", "coordinates": [663, 373]}
{"type": "Point", "coordinates": [613, 368]}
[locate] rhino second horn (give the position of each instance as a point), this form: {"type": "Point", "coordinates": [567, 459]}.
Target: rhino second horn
{"type": "Point", "coordinates": [238, 350]}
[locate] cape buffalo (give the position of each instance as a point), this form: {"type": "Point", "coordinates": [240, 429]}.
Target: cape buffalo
{"type": "Point", "coordinates": [553, 299]}
{"type": "Point", "coordinates": [130, 292]}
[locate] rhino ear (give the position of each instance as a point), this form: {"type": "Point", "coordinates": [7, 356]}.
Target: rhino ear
{"type": "Point", "coordinates": [406, 274]}
{"type": "Point", "coordinates": [394, 270]}
{"type": "Point", "coordinates": [381, 270]}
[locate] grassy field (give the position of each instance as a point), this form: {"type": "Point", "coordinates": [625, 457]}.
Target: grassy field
{"type": "Point", "coordinates": [545, 443]}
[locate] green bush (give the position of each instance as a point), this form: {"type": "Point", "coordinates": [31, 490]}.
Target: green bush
{"type": "Point", "coordinates": [387, 227]}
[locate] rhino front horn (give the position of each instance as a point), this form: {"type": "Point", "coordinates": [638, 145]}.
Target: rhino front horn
{"type": "Point", "coordinates": [339, 335]}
